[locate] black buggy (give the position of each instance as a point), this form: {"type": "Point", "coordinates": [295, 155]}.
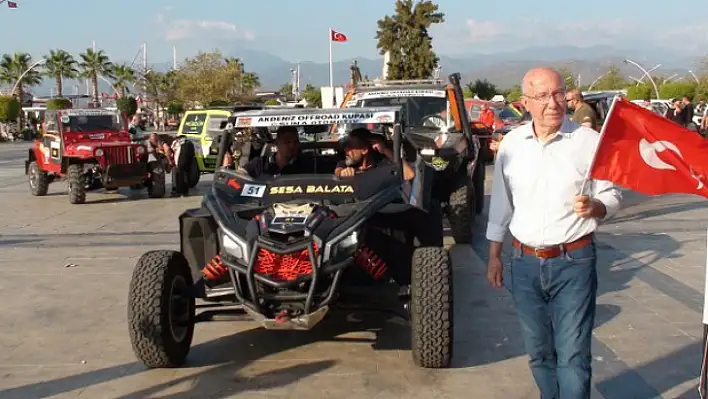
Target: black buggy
{"type": "Point", "coordinates": [433, 109]}
{"type": "Point", "coordinates": [289, 248]}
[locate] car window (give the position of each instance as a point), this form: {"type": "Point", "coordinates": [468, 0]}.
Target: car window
{"type": "Point", "coordinates": [475, 110]}
{"type": "Point", "coordinates": [415, 109]}
{"type": "Point", "coordinates": [214, 126]}
{"type": "Point", "coordinates": [194, 123]}
{"type": "Point", "coordinates": [51, 123]}
{"type": "Point", "coordinates": [505, 113]}
{"type": "Point", "coordinates": [88, 123]}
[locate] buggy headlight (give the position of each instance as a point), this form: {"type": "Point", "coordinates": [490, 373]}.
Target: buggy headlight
{"type": "Point", "coordinates": [98, 153]}
{"type": "Point", "coordinates": [346, 247]}
{"type": "Point", "coordinates": [233, 246]}
{"type": "Point", "coordinates": [141, 150]}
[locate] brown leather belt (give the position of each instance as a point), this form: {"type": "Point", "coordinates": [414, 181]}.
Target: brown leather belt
{"type": "Point", "coordinates": [555, 250]}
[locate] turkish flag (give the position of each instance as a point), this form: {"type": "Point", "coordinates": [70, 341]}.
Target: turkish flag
{"type": "Point", "coordinates": [11, 4]}
{"type": "Point", "coordinates": [337, 36]}
{"type": "Point", "coordinates": [647, 153]}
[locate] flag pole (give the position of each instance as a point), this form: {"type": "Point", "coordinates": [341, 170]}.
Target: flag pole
{"type": "Point", "coordinates": [597, 146]}
{"type": "Point", "coordinates": [703, 380]}
{"type": "Point", "coordinates": [331, 68]}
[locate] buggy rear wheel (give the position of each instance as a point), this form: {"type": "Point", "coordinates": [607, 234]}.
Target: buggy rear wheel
{"type": "Point", "coordinates": [161, 309]}
{"type": "Point", "coordinates": [431, 307]}
{"type": "Point", "coordinates": [38, 180]}
{"type": "Point", "coordinates": [461, 214]}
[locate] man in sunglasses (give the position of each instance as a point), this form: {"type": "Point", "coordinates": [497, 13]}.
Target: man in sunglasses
{"type": "Point", "coordinates": [365, 151]}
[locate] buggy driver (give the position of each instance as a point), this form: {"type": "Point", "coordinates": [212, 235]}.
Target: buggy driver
{"type": "Point", "coordinates": [364, 151]}
{"type": "Point", "coordinates": [286, 160]}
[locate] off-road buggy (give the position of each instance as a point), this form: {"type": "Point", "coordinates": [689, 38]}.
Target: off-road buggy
{"type": "Point", "coordinates": [90, 149]}
{"type": "Point", "coordinates": [289, 248]}
{"type": "Point", "coordinates": [433, 109]}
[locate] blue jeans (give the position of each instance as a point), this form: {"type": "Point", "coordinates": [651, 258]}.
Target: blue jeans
{"type": "Point", "coordinates": [555, 301]}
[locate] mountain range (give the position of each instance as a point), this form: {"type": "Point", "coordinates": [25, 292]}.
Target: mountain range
{"type": "Point", "coordinates": [504, 69]}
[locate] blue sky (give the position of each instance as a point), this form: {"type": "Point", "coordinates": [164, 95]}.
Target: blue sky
{"type": "Point", "coordinates": [295, 31]}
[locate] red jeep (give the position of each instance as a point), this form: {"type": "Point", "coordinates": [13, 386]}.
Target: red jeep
{"type": "Point", "coordinates": [90, 149]}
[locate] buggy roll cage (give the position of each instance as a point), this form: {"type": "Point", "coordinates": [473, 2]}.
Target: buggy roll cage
{"type": "Point", "coordinates": [314, 117]}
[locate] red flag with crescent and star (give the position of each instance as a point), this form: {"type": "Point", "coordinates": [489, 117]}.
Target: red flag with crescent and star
{"type": "Point", "coordinates": [11, 4]}
{"type": "Point", "coordinates": [645, 152]}
{"type": "Point", "coordinates": [337, 36]}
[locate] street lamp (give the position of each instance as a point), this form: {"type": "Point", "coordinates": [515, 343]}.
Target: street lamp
{"type": "Point", "coordinates": [694, 76]}
{"type": "Point", "coordinates": [656, 89]}
{"type": "Point", "coordinates": [31, 67]}
{"type": "Point", "coordinates": [597, 80]}
{"type": "Point", "coordinates": [657, 66]}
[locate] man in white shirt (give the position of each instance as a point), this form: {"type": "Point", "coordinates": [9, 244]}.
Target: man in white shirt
{"type": "Point", "coordinates": [536, 197]}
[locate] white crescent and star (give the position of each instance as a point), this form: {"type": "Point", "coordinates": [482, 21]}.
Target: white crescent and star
{"type": "Point", "coordinates": [337, 36]}
{"type": "Point", "coordinates": [650, 155]}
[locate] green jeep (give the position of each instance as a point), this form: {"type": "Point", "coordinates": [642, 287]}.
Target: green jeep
{"type": "Point", "coordinates": [201, 127]}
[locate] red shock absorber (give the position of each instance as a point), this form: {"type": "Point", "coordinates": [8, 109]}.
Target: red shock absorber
{"type": "Point", "coordinates": [214, 270]}
{"type": "Point", "coordinates": [372, 263]}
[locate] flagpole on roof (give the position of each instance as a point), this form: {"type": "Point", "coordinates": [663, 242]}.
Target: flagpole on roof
{"type": "Point", "coordinates": [594, 154]}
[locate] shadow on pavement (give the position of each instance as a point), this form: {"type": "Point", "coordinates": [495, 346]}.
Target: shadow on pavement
{"type": "Point", "coordinates": [228, 357]}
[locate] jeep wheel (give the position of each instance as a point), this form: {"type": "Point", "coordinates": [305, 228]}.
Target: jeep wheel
{"type": "Point", "coordinates": [460, 214]}
{"type": "Point", "coordinates": [38, 180]}
{"type": "Point", "coordinates": [77, 184]}
{"type": "Point", "coordinates": [156, 187]}
{"type": "Point", "coordinates": [161, 309]}
{"type": "Point", "coordinates": [194, 174]}
{"type": "Point", "coordinates": [431, 307]}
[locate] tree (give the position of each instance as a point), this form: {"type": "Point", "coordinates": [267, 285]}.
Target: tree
{"type": "Point", "coordinates": [677, 89]}
{"type": "Point", "coordinates": [9, 109]}
{"type": "Point", "coordinates": [59, 103]}
{"type": "Point", "coordinates": [483, 89]}
{"type": "Point", "coordinates": [568, 77]}
{"type": "Point", "coordinates": [60, 65]}
{"type": "Point", "coordinates": [94, 64]}
{"type": "Point", "coordinates": [207, 77]}
{"type": "Point", "coordinates": [405, 37]}
{"type": "Point", "coordinates": [612, 80]}
{"type": "Point", "coordinates": [313, 96]}
{"type": "Point", "coordinates": [514, 94]}
{"type": "Point", "coordinates": [12, 67]}
{"type": "Point", "coordinates": [640, 92]}
{"type": "Point", "coordinates": [129, 105]}
{"type": "Point", "coordinates": [123, 75]}
{"type": "Point", "coordinates": [175, 107]}
{"type": "Point", "coordinates": [286, 89]}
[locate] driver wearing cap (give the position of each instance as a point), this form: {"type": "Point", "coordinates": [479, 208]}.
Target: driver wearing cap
{"type": "Point", "coordinates": [364, 151]}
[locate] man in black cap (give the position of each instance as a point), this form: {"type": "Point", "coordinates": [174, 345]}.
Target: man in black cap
{"type": "Point", "coordinates": [363, 151]}
{"type": "Point", "coordinates": [286, 160]}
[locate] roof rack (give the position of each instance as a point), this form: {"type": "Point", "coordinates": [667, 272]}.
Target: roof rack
{"type": "Point", "coordinates": [390, 83]}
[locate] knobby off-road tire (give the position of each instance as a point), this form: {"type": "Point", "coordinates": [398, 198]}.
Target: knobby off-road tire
{"type": "Point", "coordinates": [431, 307]}
{"type": "Point", "coordinates": [194, 174]}
{"type": "Point", "coordinates": [156, 188]}
{"type": "Point", "coordinates": [38, 180]}
{"type": "Point", "coordinates": [77, 184]}
{"type": "Point", "coordinates": [161, 309]}
{"type": "Point", "coordinates": [461, 214]}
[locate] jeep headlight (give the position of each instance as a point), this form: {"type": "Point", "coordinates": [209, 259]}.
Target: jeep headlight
{"type": "Point", "coordinates": [98, 153]}
{"type": "Point", "coordinates": [233, 246]}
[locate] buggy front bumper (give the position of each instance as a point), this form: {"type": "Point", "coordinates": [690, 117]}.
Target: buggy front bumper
{"type": "Point", "coordinates": [256, 291]}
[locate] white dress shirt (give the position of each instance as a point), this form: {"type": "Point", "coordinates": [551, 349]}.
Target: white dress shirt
{"type": "Point", "coordinates": [535, 185]}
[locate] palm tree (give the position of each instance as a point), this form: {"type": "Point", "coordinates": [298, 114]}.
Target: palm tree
{"type": "Point", "coordinates": [123, 75]}
{"type": "Point", "coordinates": [60, 65]}
{"type": "Point", "coordinates": [94, 64]}
{"type": "Point", "coordinates": [11, 69]}
{"type": "Point", "coordinates": [250, 82]}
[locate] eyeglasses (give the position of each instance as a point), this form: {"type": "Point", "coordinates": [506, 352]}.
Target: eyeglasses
{"type": "Point", "coordinates": [545, 98]}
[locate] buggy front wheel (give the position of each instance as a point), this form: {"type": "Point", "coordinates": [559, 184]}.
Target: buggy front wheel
{"type": "Point", "coordinates": [161, 309]}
